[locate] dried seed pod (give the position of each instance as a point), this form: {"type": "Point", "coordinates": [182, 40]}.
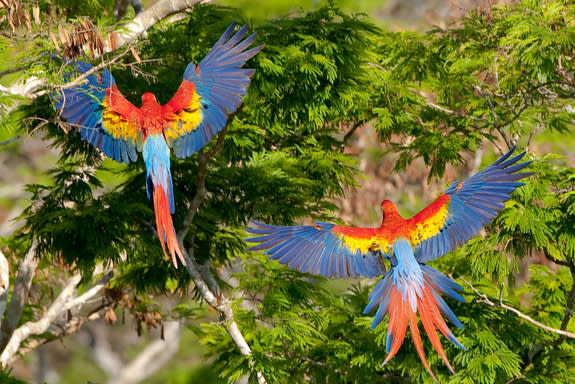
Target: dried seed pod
{"type": "Point", "coordinates": [112, 41]}
{"type": "Point", "coordinates": [54, 40]}
{"type": "Point", "coordinates": [36, 15]}
{"type": "Point", "coordinates": [27, 20]}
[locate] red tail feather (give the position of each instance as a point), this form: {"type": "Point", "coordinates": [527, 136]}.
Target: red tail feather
{"type": "Point", "coordinates": [398, 319]}
{"type": "Point", "coordinates": [164, 225]}
{"type": "Point", "coordinates": [417, 341]}
{"type": "Point", "coordinates": [432, 320]}
{"type": "Point", "coordinates": [401, 315]}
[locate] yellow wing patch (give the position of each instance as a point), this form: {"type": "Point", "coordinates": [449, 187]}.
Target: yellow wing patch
{"type": "Point", "coordinates": [363, 245]}
{"type": "Point", "coordinates": [430, 226]}
{"type": "Point", "coordinates": [185, 121]}
{"type": "Point", "coordinates": [119, 126]}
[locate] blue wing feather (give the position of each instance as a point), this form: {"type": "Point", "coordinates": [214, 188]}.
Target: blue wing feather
{"type": "Point", "coordinates": [315, 250]}
{"type": "Point", "coordinates": [473, 204]}
{"type": "Point", "coordinates": [221, 83]}
{"type": "Point", "coordinates": [82, 106]}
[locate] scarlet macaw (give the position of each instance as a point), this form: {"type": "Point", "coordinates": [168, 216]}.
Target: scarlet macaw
{"type": "Point", "coordinates": [194, 115]}
{"type": "Point", "coordinates": [410, 285]}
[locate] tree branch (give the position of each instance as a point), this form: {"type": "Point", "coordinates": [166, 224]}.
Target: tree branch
{"type": "Point", "coordinates": [72, 326]}
{"type": "Point", "coordinates": [352, 130]}
{"type": "Point", "coordinates": [64, 302]}
{"type": "Point", "coordinates": [221, 304]}
{"type": "Point", "coordinates": [148, 18]}
{"type": "Point", "coordinates": [203, 280]}
{"type": "Point", "coordinates": [485, 299]}
{"type": "Point", "coordinates": [125, 34]}
{"type": "Point", "coordinates": [4, 283]}
{"type": "Point", "coordinates": [153, 357]}
{"type": "Point", "coordinates": [22, 285]}
{"type": "Point", "coordinates": [200, 195]}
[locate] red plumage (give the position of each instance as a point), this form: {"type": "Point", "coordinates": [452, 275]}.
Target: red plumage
{"type": "Point", "coordinates": [165, 226]}
{"type": "Point", "coordinates": [410, 286]}
{"type": "Point", "coordinates": [196, 113]}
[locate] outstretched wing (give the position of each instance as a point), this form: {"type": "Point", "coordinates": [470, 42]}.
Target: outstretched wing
{"type": "Point", "coordinates": [208, 93]}
{"type": "Point", "coordinates": [464, 208]}
{"type": "Point", "coordinates": [323, 249]}
{"type": "Point", "coordinates": [103, 116]}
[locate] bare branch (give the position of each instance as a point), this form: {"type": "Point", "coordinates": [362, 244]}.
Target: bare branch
{"type": "Point", "coordinates": [485, 299]}
{"type": "Point", "coordinates": [31, 88]}
{"type": "Point", "coordinates": [24, 88]}
{"type": "Point", "coordinates": [568, 308]}
{"type": "Point", "coordinates": [221, 304]}
{"type": "Point", "coordinates": [64, 302]}
{"type": "Point", "coordinates": [153, 357]}
{"type": "Point", "coordinates": [81, 79]}
{"type": "Point", "coordinates": [22, 285]}
{"type": "Point", "coordinates": [201, 275]}
{"type": "Point", "coordinates": [201, 192]}
{"type": "Point", "coordinates": [352, 130]}
{"type": "Point", "coordinates": [4, 283]}
{"type": "Point", "coordinates": [148, 18]}
{"type": "Point", "coordinates": [90, 293]}
{"type": "Point", "coordinates": [71, 327]}
{"type": "Point", "coordinates": [126, 34]}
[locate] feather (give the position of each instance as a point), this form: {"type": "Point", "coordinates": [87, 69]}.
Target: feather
{"type": "Point", "coordinates": [218, 83]}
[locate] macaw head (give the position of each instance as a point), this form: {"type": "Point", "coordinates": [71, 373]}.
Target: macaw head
{"type": "Point", "coordinates": [388, 208]}
{"type": "Point", "coordinates": [148, 97]}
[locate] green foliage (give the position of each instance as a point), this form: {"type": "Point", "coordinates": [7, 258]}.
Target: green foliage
{"type": "Point", "coordinates": [496, 78]}
{"type": "Point", "coordinates": [495, 73]}
{"type": "Point", "coordinates": [5, 377]}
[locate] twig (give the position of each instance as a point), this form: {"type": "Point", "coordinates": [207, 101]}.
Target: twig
{"type": "Point", "coordinates": [6, 142]}
{"type": "Point", "coordinates": [350, 133]}
{"type": "Point", "coordinates": [72, 326]}
{"type": "Point", "coordinates": [64, 302]}
{"type": "Point", "coordinates": [4, 283]}
{"type": "Point", "coordinates": [12, 70]}
{"type": "Point", "coordinates": [148, 18]}
{"type": "Point", "coordinates": [221, 304]}
{"type": "Point", "coordinates": [153, 357]}
{"type": "Point", "coordinates": [201, 192]}
{"type": "Point", "coordinates": [456, 113]}
{"type": "Point", "coordinates": [22, 285]}
{"type": "Point", "coordinates": [310, 361]}
{"type": "Point", "coordinates": [80, 79]}
{"type": "Point", "coordinates": [126, 35]}
{"type": "Point", "coordinates": [498, 127]}
{"type": "Point", "coordinates": [485, 299]}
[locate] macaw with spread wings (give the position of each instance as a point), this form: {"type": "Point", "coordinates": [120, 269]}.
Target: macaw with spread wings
{"type": "Point", "coordinates": [410, 286]}
{"type": "Point", "coordinates": [194, 115]}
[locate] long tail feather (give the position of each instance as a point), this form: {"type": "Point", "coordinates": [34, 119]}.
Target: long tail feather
{"type": "Point", "coordinates": [165, 226]}
{"type": "Point", "coordinates": [409, 289]}
{"type": "Point", "coordinates": [418, 344]}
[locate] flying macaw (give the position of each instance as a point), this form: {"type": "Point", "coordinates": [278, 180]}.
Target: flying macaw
{"type": "Point", "coordinates": [194, 115]}
{"type": "Point", "coordinates": [410, 286]}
